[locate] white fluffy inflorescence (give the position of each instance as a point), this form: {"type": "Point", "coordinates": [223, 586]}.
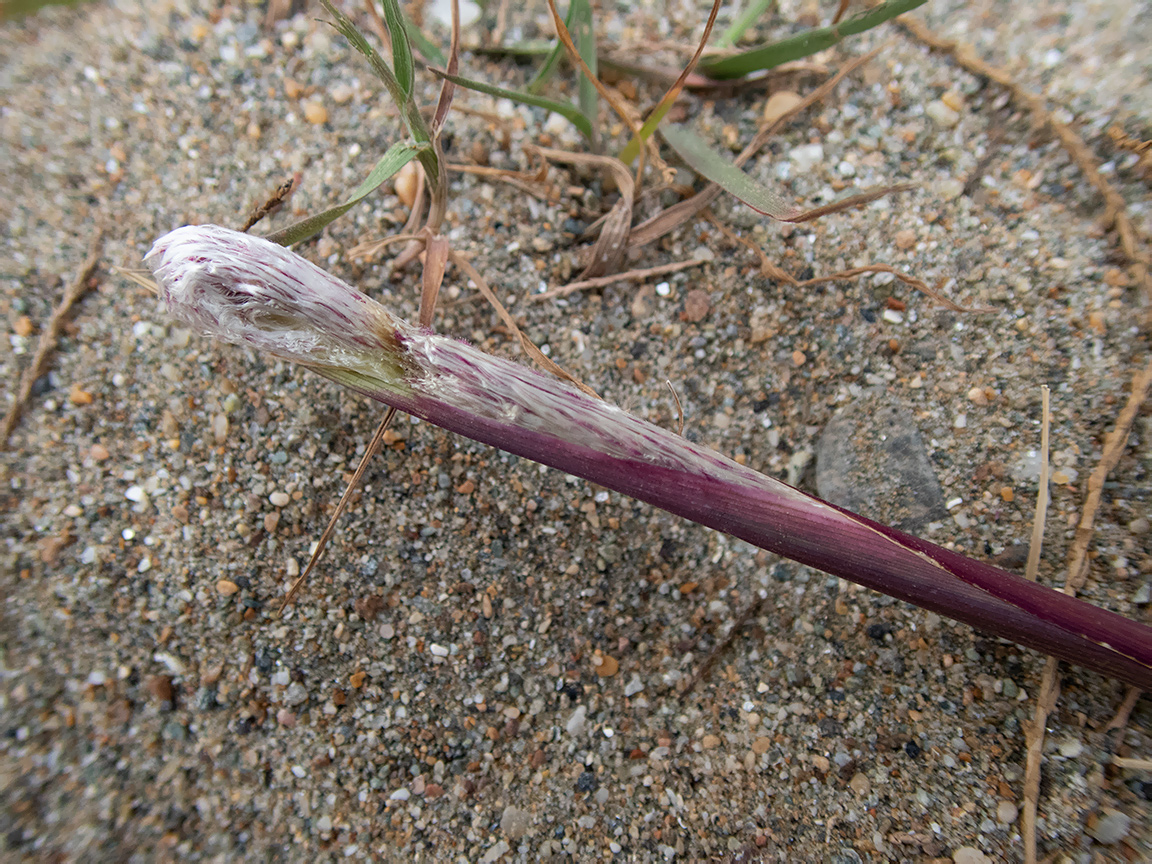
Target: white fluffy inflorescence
{"type": "Point", "coordinates": [249, 291]}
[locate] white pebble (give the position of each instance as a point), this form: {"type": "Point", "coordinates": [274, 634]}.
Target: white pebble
{"type": "Point", "coordinates": [299, 772]}
{"type": "Point", "coordinates": [1071, 748]}
{"type": "Point", "coordinates": [279, 499]}
{"type": "Point", "coordinates": [401, 794]}
{"type": "Point", "coordinates": [970, 855]}
{"type": "Point", "coordinates": [438, 650]}
{"type": "Point", "coordinates": [135, 493]}
{"type": "Point", "coordinates": [941, 114]}
{"type": "Point", "coordinates": [663, 289]}
{"type": "Point", "coordinates": [634, 686]}
{"type": "Point", "coordinates": [807, 156]}
{"type": "Point", "coordinates": [577, 721]}
{"type": "Point", "coordinates": [1006, 812]}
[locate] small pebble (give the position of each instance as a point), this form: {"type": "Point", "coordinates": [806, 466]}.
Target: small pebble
{"type": "Point", "coordinates": [807, 156]}
{"type": "Point", "coordinates": [226, 587]}
{"type": "Point", "coordinates": [1006, 812]}
{"type": "Point", "coordinates": [1111, 826]}
{"type": "Point", "coordinates": [860, 783]}
{"type": "Point", "coordinates": [79, 396]}
{"type": "Point", "coordinates": [342, 93]}
{"type": "Point", "coordinates": [970, 855]}
{"type": "Point", "coordinates": [905, 239]}
{"type": "Point", "coordinates": [279, 499]}
{"type": "Point", "coordinates": [515, 822]}
{"type": "Point", "coordinates": [315, 113]}
{"type": "Point", "coordinates": [607, 667]}
{"type": "Point", "coordinates": [779, 104]}
{"type": "Point", "coordinates": [577, 722]}
{"type": "Point", "coordinates": [941, 114]}
{"type": "Point", "coordinates": [710, 742]}
{"type": "Point", "coordinates": [1071, 748]}
{"type": "Point", "coordinates": [696, 305]}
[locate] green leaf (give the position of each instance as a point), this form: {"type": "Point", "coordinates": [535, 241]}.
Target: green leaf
{"type": "Point", "coordinates": [751, 14]}
{"type": "Point", "coordinates": [584, 35]}
{"type": "Point", "coordinates": [409, 110]}
{"type": "Point", "coordinates": [401, 51]}
{"type": "Point", "coordinates": [427, 47]}
{"type": "Point", "coordinates": [718, 168]}
{"type": "Point", "coordinates": [803, 44]}
{"type": "Point", "coordinates": [565, 109]}
{"type": "Point", "coordinates": [554, 54]}
{"type": "Point", "coordinates": [397, 156]}
{"type": "Point", "coordinates": [356, 39]}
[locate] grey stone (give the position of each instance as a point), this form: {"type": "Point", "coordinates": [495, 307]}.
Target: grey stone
{"type": "Point", "coordinates": [871, 459]}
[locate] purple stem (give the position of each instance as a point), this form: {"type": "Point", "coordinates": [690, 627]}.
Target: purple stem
{"type": "Point", "coordinates": [248, 291]}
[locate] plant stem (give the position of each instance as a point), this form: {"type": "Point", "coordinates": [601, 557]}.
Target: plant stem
{"type": "Point", "coordinates": [245, 290]}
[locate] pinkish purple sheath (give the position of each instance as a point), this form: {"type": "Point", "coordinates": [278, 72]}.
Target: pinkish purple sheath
{"type": "Point", "coordinates": [248, 291]}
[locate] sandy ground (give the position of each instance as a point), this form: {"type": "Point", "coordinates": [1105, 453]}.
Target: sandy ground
{"type": "Point", "coordinates": [489, 664]}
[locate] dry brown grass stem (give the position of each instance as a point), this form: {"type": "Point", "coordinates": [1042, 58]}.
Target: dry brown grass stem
{"type": "Point", "coordinates": [352, 484]}
{"type": "Point", "coordinates": [1114, 445]}
{"type": "Point", "coordinates": [911, 281]}
{"type": "Point", "coordinates": [767, 269]}
{"type": "Point", "coordinates": [1115, 208]}
{"type": "Point", "coordinates": [50, 337]}
{"type": "Point", "coordinates": [527, 344]}
{"type": "Point", "coordinates": [1033, 565]}
{"type": "Point", "coordinates": [625, 276]}
{"type": "Point", "coordinates": [679, 213]}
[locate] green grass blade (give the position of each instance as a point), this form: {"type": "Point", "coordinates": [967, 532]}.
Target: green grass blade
{"type": "Point", "coordinates": [356, 39]}
{"type": "Point", "coordinates": [751, 14]}
{"type": "Point", "coordinates": [401, 51]}
{"type": "Point", "coordinates": [722, 171]}
{"type": "Point", "coordinates": [803, 44]}
{"type": "Point", "coordinates": [584, 35]}
{"type": "Point", "coordinates": [396, 157]}
{"type": "Point", "coordinates": [554, 54]}
{"type": "Point", "coordinates": [424, 45]}
{"type": "Point", "coordinates": [565, 109]}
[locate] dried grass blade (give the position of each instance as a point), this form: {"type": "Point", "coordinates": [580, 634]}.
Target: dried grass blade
{"type": "Point", "coordinates": [632, 150]}
{"type": "Point", "coordinates": [527, 344]}
{"type": "Point", "coordinates": [608, 251]}
{"type": "Point", "coordinates": [448, 88]}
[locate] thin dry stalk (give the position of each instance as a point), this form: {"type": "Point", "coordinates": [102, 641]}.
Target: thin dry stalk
{"type": "Point", "coordinates": [1034, 734]}
{"type": "Point", "coordinates": [626, 276]}
{"type": "Point", "coordinates": [1135, 764]}
{"type": "Point", "coordinates": [50, 337]}
{"type": "Point", "coordinates": [277, 199]}
{"type": "Point", "coordinates": [1114, 446]}
{"type": "Point", "coordinates": [608, 252]}
{"type": "Point", "coordinates": [910, 281]}
{"type": "Point", "coordinates": [574, 57]}
{"type": "Point", "coordinates": [369, 248]}
{"type": "Point", "coordinates": [1143, 149]}
{"type": "Point", "coordinates": [767, 269]}
{"type": "Point", "coordinates": [1033, 565]}
{"type": "Point", "coordinates": [1115, 207]}
{"type": "Point", "coordinates": [527, 344]}
{"type": "Point", "coordinates": [672, 217]}
{"type": "Point", "coordinates": [373, 446]}
{"type": "Point", "coordinates": [1120, 719]}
